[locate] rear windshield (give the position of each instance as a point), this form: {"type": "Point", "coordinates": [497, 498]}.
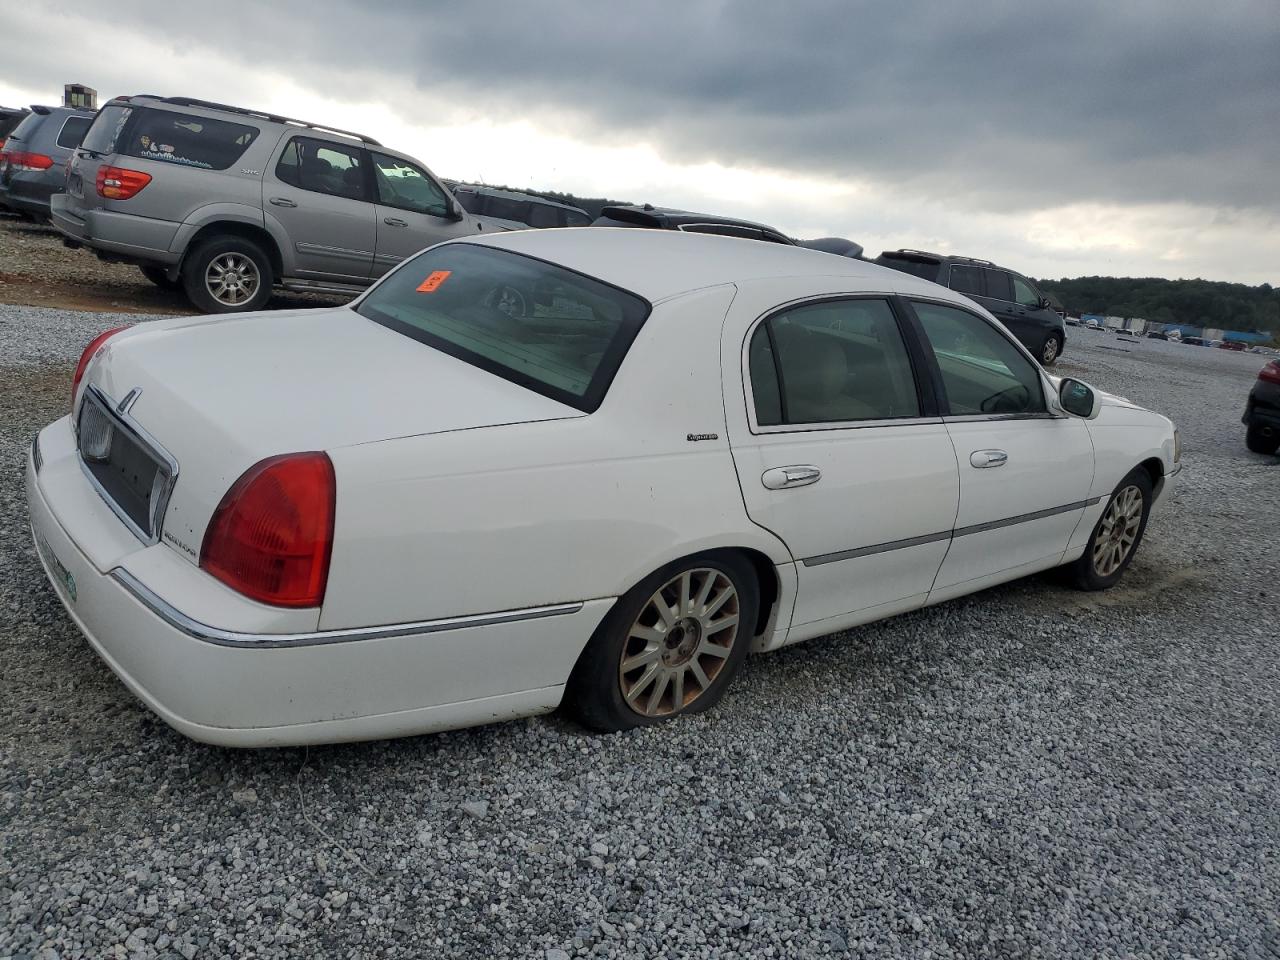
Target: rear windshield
{"type": "Point", "coordinates": [926, 269]}
{"type": "Point", "coordinates": [553, 331]}
{"type": "Point", "coordinates": [106, 128]}
{"type": "Point", "coordinates": [72, 131]}
{"type": "Point", "coordinates": [186, 140]}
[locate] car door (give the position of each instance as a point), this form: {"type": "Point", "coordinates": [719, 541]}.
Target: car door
{"type": "Point", "coordinates": [1031, 320]}
{"type": "Point", "coordinates": [413, 212]}
{"type": "Point", "coordinates": [318, 196]}
{"type": "Point", "coordinates": [841, 453]}
{"type": "Point", "coordinates": [1024, 473]}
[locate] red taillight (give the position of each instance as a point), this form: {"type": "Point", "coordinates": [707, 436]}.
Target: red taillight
{"type": "Point", "coordinates": [21, 160]}
{"type": "Point", "coordinates": [272, 534]}
{"type": "Point", "coordinates": [85, 357]}
{"type": "Point", "coordinates": [1271, 372]}
{"type": "Point", "coordinates": [117, 183]}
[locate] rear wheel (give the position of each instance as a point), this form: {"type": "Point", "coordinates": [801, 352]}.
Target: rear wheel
{"type": "Point", "coordinates": [670, 645]}
{"type": "Point", "coordinates": [1260, 442]}
{"type": "Point", "coordinates": [1117, 534]}
{"type": "Point", "coordinates": [160, 277]}
{"type": "Point", "coordinates": [1050, 349]}
{"type": "Point", "coordinates": [227, 274]}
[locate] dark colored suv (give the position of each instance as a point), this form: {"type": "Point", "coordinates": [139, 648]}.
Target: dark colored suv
{"type": "Point", "coordinates": [665, 218]}
{"type": "Point", "coordinates": [1010, 297]}
{"type": "Point", "coordinates": [34, 159]}
{"type": "Point", "coordinates": [1262, 412]}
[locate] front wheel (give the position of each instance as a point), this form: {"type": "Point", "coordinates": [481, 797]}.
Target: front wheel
{"type": "Point", "coordinates": [1260, 442]}
{"type": "Point", "coordinates": [670, 645]}
{"type": "Point", "coordinates": [1050, 349]}
{"type": "Point", "coordinates": [227, 274]}
{"type": "Point", "coordinates": [1117, 534]}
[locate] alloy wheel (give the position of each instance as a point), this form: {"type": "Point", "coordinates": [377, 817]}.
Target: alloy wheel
{"type": "Point", "coordinates": [1050, 351]}
{"type": "Point", "coordinates": [680, 642]}
{"type": "Point", "coordinates": [232, 279]}
{"type": "Point", "coordinates": [1118, 532]}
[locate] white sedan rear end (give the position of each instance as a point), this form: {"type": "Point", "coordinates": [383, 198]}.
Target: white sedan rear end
{"type": "Point", "coordinates": [584, 465]}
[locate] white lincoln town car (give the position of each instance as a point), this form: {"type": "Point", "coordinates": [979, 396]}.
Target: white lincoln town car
{"type": "Point", "coordinates": [586, 466]}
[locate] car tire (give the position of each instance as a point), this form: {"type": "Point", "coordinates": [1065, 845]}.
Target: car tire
{"type": "Point", "coordinates": [227, 274]}
{"type": "Point", "coordinates": [1117, 534]}
{"type": "Point", "coordinates": [1051, 349]}
{"type": "Point", "coordinates": [681, 662]}
{"type": "Point", "coordinates": [160, 277]}
{"type": "Point", "coordinates": [1259, 442]}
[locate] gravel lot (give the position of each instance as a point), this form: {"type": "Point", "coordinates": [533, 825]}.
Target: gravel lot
{"type": "Point", "coordinates": [1030, 772]}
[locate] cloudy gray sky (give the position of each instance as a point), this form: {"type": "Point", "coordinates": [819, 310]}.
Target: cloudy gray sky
{"type": "Point", "coordinates": [1075, 138]}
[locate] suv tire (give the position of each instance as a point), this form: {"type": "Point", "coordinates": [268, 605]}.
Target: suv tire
{"type": "Point", "coordinates": [160, 277]}
{"type": "Point", "coordinates": [1259, 442]}
{"type": "Point", "coordinates": [227, 274]}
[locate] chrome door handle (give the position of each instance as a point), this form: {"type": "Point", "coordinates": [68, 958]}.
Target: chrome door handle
{"type": "Point", "coordinates": [394, 222]}
{"type": "Point", "coordinates": [800, 475]}
{"type": "Point", "coordinates": [988, 458]}
{"type": "Point", "coordinates": [282, 202]}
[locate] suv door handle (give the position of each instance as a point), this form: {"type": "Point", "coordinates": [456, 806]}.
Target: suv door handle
{"type": "Point", "coordinates": [800, 475]}
{"type": "Point", "coordinates": [282, 202]}
{"type": "Point", "coordinates": [394, 222]}
{"type": "Point", "coordinates": [988, 458]}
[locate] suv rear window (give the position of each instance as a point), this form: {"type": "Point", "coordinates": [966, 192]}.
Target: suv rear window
{"type": "Point", "coordinates": [72, 131]}
{"type": "Point", "coordinates": [106, 127]}
{"type": "Point", "coordinates": [552, 331]}
{"type": "Point", "coordinates": [187, 140]}
{"type": "Point", "coordinates": [925, 269]}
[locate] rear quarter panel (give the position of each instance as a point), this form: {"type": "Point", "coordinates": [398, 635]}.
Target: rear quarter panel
{"type": "Point", "coordinates": [501, 518]}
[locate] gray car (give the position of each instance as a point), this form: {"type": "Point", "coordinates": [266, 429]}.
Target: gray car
{"type": "Point", "coordinates": [34, 159]}
{"type": "Point", "coordinates": [227, 202]}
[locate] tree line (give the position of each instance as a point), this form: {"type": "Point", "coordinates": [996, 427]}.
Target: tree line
{"type": "Point", "coordinates": [1200, 303]}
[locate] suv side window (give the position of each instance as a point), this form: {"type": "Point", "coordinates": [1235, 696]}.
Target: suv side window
{"type": "Point", "coordinates": [1024, 293]}
{"type": "Point", "coordinates": [73, 131]}
{"type": "Point", "coordinates": [831, 362]}
{"type": "Point", "coordinates": [998, 285]}
{"type": "Point", "coordinates": [544, 215]}
{"type": "Point", "coordinates": [322, 167]}
{"type": "Point", "coordinates": [187, 140]}
{"type": "Point", "coordinates": [401, 184]}
{"type": "Point", "coordinates": [966, 280]}
{"type": "Point", "coordinates": [982, 372]}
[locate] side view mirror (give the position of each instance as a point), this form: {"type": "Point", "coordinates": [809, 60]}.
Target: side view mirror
{"type": "Point", "coordinates": [1078, 399]}
{"type": "Point", "coordinates": [1045, 304]}
{"type": "Point", "coordinates": [455, 210]}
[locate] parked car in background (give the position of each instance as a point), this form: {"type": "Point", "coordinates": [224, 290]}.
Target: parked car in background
{"type": "Point", "coordinates": [1262, 411]}
{"type": "Point", "coordinates": [1236, 345]}
{"type": "Point", "coordinates": [1011, 297]}
{"type": "Point", "coordinates": [517, 211]}
{"type": "Point", "coordinates": [1194, 341]}
{"type": "Point", "coordinates": [665, 218]}
{"type": "Point", "coordinates": [1157, 335]}
{"type": "Point", "coordinates": [1074, 322]}
{"type": "Point", "coordinates": [227, 202]}
{"type": "Point", "coordinates": [1092, 324]}
{"type": "Point", "coordinates": [10, 117]}
{"type": "Point", "coordinates": [436, 543]}
{"type": "Point", "coordinates": [34, 158]}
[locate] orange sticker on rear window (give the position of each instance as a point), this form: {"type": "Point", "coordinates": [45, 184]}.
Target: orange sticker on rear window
{"type": "Point", "coordinates": [433, 281]}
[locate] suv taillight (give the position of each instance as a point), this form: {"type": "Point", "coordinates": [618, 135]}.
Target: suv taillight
{"type": "Point", "coordinates": [21, 160]}
{"type": "Point", "coordinates": [1271, 372]}
{"type": "Point", "coordinates": [117, 183]}
{"type": "Point", "coordinates": [87, 356]}
{"type": "Point", "coordinates": [272, 534]}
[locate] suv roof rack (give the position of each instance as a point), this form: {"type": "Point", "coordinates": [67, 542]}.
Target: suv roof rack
{"type": "Point", "coordinates": [942, 256]}
{"type": "Point", "coordinates": [210, 105]}
{"type": "Point", "coordinates": [984, 263]}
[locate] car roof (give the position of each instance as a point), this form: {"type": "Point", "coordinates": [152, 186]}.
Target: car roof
{"type": "Point", "coordinates": [659, 264]}
{"type": "Point", "coordinates": [207, 107]}
{"type": "Point", "coordinates": [513, 195]}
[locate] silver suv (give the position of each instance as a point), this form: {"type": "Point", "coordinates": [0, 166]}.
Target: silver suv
{"type": "Point", "coordinates": [227, 203]}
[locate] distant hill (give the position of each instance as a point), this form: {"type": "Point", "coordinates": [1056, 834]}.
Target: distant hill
{"type": "Point", "coordinates": [1201, 303]}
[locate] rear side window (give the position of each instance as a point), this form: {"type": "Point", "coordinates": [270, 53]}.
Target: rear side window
{"type": "Point", "coordinates": [548, 329]}
{"type": "Point", "coordinates": [999, 286]}
{"type": "Point", "coordinates": [73, 131]}
{"type": "Point", "coordinates": [106, 128]}
{"type": "Point", "coordinates": [504, 208]}
{"type": "Point", "coordinates": [187, 141]}
{"type": "Point", "coordinates": [832, 362]}
{"type": "Point", "coordinates": [925, 269]}
{"type": "Point", "coordinates": [323, 167]}
{"type": "Point", "coordinates": [544, 215]}
{"type": "Point", "coordinates": [966, 280]}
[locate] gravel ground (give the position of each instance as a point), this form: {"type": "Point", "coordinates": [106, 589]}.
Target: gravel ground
{"type": "Point", "coordinates": [1030, 772]}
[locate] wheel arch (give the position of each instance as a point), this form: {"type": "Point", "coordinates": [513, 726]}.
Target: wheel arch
{"type": "Point", "coordinates": [238, 228]}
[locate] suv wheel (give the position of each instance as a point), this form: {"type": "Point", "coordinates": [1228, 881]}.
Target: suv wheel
{"type": "Point", "coordinates": [1050, 349]}
{"type": "Point", "coordinates": [1262, 442]}
{"type": "Point", "coordinates": [227, 274]}
{"type": "Point", "coordinates": [160, 277]}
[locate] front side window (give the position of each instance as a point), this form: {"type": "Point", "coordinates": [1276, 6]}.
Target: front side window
{"type": "Point", "coordinates": [323, 167]}
{"type": "Point", "coordinates": [966, 280]}
{"type": "Point", "coordinates": [999, 286]}
{"type": "Point", "coordinates": [837, 361]}
{"type": "Point", "coordinates": [982, 372]}
{"type": "Point", "coordinates": [186, 140]}
{"type": "Point", "coordinates": [553, 331]}
{"type": "Point", "coordinates": [73, 131]}
{"type": "Point", "coordinates": [401, 184]}
{"type": "Point", "coordinates": [1024, 293]}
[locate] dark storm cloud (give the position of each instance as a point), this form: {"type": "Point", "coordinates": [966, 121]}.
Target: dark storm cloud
{"type": "Point", "coordinates": [1005, 104]}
